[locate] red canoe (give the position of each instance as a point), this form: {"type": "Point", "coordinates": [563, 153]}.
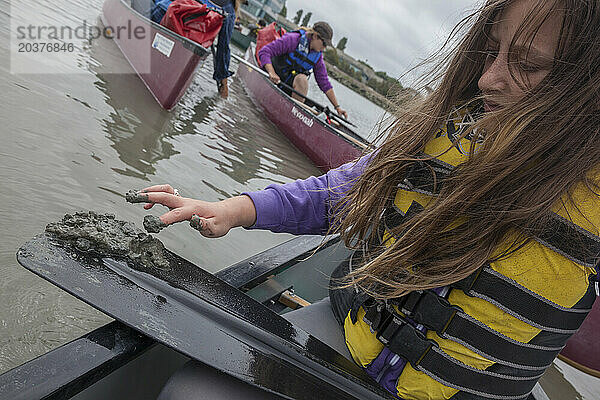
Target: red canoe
{"type": "Point", "coordinates": [583, 348]}
{"type": "Point", "coordinates": [165, 61]}
{"type": "Point", "coordinates": [326, 146]}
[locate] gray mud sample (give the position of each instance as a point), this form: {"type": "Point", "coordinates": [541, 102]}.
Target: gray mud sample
{"type": "Point", "coordinates": [107, 236]}
{"type": "Point", "coordinates": [196, 223]}
{"type": "Point", "coordinates": [135, 196]}
{"type": "Point", "coordinates": [153, 224]}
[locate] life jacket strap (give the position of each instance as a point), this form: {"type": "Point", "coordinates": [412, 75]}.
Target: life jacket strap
{"type": "Point", "coordinates": [560, 234]}
{"type": "Point", "coordinates": [401, 337]}
{"type": "Point", "coordinates": [301, 57]}
{"type": "Point", "coordinates": [520, 302]}
{"type": "Point", "coordinates": [572, 241]}
{"type": "Point", "coordinates": [419, 176]}
{"type": "Point", "coordinates": [451, 322]}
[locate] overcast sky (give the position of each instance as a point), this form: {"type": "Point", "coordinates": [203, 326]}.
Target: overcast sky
{"type": "Point", "coordinates": [392, 35]}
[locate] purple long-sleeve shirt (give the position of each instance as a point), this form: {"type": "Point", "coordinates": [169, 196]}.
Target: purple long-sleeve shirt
{"type": "Point", "coordinates": [285, 45]}
{"type": "Point", "coordinates": [304, 206]}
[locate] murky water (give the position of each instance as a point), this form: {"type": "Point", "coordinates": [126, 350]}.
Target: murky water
{"type": "Point", "coordinates": [79, 141]}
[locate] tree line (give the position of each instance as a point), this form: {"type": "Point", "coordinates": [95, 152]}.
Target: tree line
{"type": "Point", "coordinates": [385, 86]}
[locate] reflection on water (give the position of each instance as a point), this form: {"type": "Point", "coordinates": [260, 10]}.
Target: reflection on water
{"type": "Point", "coordinates": [136, 129]}
{"type": "Point", "coordinates": [80, 141]}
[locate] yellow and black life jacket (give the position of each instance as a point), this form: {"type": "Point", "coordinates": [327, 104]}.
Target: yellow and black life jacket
{"type": "Point", "coordinates": [493, 334]}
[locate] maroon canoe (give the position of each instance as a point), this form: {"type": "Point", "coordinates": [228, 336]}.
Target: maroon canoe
{"type": "Point", "coordinates": [583, 348]}
{"type": "Point", "coordinates": [165, 61]}
{"type": "Point", "coordinates": [326, 146]}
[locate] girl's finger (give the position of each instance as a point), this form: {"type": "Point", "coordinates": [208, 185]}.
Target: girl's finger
{"type": "Point", "coordinates": [158, 188]}
{"type": "Point", "coordinates": [148, 206]}
{"type": "Point", "coordinates": [173, 216]}
{"type": "Point", "coordinates": [165, 199]}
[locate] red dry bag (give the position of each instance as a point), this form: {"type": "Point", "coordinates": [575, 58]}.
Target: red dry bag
{"type": "Point", "coordinates": [267, 35]}
{"type": "Point", "coordinates": [193, 20]}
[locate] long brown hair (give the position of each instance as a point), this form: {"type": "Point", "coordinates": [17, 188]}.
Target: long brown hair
{"type": "Point", "coordinates": [532, 153]}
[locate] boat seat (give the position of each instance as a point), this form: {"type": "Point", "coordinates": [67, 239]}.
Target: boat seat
{"type": "Point", "coordinates": [198, 381]}
{"type": "Point", "coordinates": [318, 320]}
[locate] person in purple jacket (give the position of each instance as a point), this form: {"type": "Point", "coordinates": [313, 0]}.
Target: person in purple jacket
{"type": "Point", "coordinates": [292, 57]}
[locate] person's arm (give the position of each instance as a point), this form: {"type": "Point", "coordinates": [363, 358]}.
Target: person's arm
{"type": "Point", "coordinates": [334, 101]}
{"type": "Point", "coordinates": [284, 45]}
{"type": "Point", "coordinates": [300, 207]}
{"type": "Point", "coordinates": [305, 206]}
{"type": "Point", "coordinates": [322, 79]}
{"type": "Point", "coordinates": [272, 74]}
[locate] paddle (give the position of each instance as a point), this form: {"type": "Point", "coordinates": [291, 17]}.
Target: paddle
{"type": "Point", "coordinates": [195, 313]}
{"type": "Point", "coordinates": [316, 105]}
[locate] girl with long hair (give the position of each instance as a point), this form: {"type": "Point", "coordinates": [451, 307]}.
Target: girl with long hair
{"type": "Point", "coordinates": [476, 222]}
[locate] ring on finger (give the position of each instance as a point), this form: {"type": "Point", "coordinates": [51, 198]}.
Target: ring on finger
{"type": "Point", "coordinates": [176, 192]}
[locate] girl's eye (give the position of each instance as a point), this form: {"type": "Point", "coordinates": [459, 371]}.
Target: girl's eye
{"type": "Point", "coordinates": [528, 67]}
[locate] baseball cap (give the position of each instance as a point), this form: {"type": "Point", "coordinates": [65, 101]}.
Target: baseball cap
{"type": "Point", "coordinates": [324, 31]}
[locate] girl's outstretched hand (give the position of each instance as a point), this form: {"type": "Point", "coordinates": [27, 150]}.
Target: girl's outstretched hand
{"type": "Point", "coordinates": [214, 219]}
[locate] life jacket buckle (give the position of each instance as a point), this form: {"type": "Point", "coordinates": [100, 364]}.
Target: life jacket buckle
{"type": "Point", "coordinates": [389, 329]}
{"type": "Point", "coordinates": [410, 302]}
{"type": "Point", "coordinates": [376, 316]}
{"type": "Point", "coordinates": [406, 340]}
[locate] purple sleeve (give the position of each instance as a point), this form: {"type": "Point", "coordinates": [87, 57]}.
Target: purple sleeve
{"type": "Point", "coordinates": [304, 206]}
{"type": "Point", "coordinates": [321, 75]}
{"type": "Point", "coordinates": [284, 45]}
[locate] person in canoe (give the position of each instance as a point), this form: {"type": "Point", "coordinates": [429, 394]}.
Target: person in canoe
{"type": "Point", "coordinates": [476, 223]}
{"type": "Point", "coordinates": [254, 28]}
{"type": "Point", "coordinates": [291, 59]}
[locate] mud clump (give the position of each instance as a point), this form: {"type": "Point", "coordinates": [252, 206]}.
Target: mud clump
{"type": "Point", "coordinates": [196, 223]}
{"type": "Point", "coordinates": [106, 236]}
{"type": "Point", "coordinates": [153, 224]}
{"type": "Point", "coordinates": [135, 196]}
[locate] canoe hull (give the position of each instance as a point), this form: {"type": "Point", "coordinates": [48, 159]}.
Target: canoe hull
{"type": "Point", "coordinates": [313, 137]}
{"type": "Point", "coordinates": [583, 348]}
{"type": "Point", "coordinates": [166, 62]}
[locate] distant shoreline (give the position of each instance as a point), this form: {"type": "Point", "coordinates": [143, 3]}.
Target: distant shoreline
{"type": "Point", "coordinates": [359, 87]}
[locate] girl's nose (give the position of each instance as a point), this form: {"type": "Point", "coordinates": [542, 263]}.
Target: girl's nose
{"type": "Point", "coordinates": [495, 75]}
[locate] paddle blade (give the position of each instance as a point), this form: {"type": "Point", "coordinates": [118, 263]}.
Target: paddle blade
{"type": "Point", "coordinates": [197, 314]}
